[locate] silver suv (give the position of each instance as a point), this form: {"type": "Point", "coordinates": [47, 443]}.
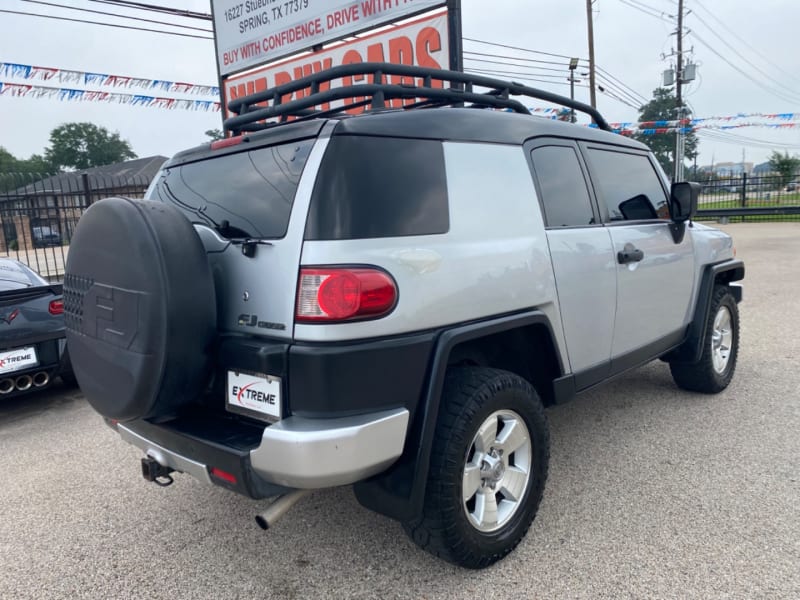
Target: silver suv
{"type": "Point", "coordinates": [391, 299]}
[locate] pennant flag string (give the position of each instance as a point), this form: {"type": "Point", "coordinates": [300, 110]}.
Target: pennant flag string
{"type": "Point", "coordinates": [74, 95]}
{"type": "Point", "coordinates": [64, 76]}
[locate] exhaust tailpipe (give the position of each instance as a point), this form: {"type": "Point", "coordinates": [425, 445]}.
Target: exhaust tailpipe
{"type": "Point", "coordinates": [279, 508]}
{"type": "Point", "coordinates": [41, 379]}
{"type": "Point", "coordinates": [6, 386]}
{"type": "Point", "coordinates": [24, 382]}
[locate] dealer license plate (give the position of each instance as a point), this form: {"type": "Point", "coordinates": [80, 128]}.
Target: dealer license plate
{"type": "Point", "coordinates": [18, 359]}
{"type": "Point", "coordinates": [255, 395]}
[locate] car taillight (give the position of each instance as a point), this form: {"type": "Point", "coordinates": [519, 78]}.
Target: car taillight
{"type": "Point", "coordinates": [56, 307]}
{"type": "Point", "coordinates": [343, 294]}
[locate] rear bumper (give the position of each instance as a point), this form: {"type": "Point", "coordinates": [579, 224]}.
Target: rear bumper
{"type": "Point", "coordinates": [294, 453]}
{"type": "Point", "coordinates": [312, 453]}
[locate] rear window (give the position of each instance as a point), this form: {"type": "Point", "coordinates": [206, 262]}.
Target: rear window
{"type": "Point", "coordinates": [246, 194]}
{"type": "Point", "coordinates": [372, 187]}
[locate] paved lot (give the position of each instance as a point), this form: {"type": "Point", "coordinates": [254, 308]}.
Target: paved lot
{"type": "Point", "coordinates": [652, 493]}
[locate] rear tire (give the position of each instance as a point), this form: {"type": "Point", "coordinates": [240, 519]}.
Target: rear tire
{"type": "Point", "coordinates": [488, 468]}
{"type": "Point", "coordinates": [139, 309]}
{"type": "Point", "coordinates": [69, 380]}
{"type": "Point", "coordinates": [714, 371]}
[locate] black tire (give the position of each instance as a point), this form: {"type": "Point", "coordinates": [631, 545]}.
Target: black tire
{"type": "Point", "coordinates": [470, 397]}
{"type": "Point", "coordinates": [68, 379]}
{"type": "Point", "coordinates": [703, 376]}
{"type": "Point", "coordinates": [139, 309]}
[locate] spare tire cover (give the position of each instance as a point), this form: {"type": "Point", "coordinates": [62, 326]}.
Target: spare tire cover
{"type": "Point", "coordinates": [140, 309]}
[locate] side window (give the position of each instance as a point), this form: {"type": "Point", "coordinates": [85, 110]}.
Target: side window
{"type": "Point", "coordinates": [629, 185]}
{"type": "Point", "coordinates": [372, 187]}
{"type": "Point", "coordinates": [565, 197]}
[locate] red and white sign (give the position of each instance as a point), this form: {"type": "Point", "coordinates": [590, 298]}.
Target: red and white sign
{"type": "Point", "coordinates": [18, 359]}
{"type": "Point", "coordinates": [254, 32]}
{"type": "Point", "coordinates": [254, 394]}
{"type": "Point", "coordinates": [423, 43]}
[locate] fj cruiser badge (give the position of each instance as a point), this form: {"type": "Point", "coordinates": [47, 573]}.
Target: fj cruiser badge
{"type": "Point", "coordinates": [252, 321]}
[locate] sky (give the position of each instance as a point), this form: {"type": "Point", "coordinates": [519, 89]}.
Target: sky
{"type": "Point", "coordinates": [745, 52]}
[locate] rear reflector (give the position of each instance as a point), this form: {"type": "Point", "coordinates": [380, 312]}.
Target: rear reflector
{"type": "Point", "coordinates": [56, 307]}
{"type": "Point", "coordinates": [224, 475]}
{"type": "Point", "coordinates": [344, 294]}
{"type": "Point", "coordinates": [224, 143]}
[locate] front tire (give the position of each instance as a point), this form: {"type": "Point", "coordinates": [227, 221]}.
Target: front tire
{"type": "Point", "coordinates": [488, 468]}
{"type": "Point", "coordinates": [714, 371]}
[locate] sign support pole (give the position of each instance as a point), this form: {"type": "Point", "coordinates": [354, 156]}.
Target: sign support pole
{"type": "Point", "coordinates": [455, 35]}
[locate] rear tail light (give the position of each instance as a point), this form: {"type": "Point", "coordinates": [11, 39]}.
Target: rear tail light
{"type": "Point", "coordinates": [56, 307]}
{"type": "Point", "coordinates": [344, 294]}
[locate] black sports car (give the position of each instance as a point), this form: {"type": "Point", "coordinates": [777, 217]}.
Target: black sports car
{"type": "Point", "coordinates": [32, 338]}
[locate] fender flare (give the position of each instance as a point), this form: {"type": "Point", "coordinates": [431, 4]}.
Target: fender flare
{"type": "Point", "coordinates": [399, 492]}
{"type": "Point", "coordinates": [728, 271]}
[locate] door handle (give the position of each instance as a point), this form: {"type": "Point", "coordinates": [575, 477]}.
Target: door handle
{"type": "Point", "coordinates": [629, 254]}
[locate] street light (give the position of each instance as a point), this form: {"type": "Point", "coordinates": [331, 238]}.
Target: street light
{"type": "Point", "coordinates": [573, 64]}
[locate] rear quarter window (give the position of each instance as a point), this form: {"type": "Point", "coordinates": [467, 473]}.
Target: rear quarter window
{"type": "Point", "coordinates": [246, 194]}
{"type": "Point", "coordinates": [372, 187]}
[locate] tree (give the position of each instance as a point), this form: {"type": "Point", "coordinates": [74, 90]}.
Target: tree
{"type": "Point", "coordinates": [215, 134]}
{"type": "Point", "coordinates": [663, 108]}
{"type": "Point", "coordinates": [783, 164]}
{"type": "Point", "coordinates": [84, 145]}
{"type": "Point", "coordinates": [16, 172]}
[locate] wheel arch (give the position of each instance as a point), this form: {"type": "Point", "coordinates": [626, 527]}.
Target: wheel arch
{"type": "Point", "coordinates": [499, 343]}
{"type": "Point", "coordinates": [723, 273]}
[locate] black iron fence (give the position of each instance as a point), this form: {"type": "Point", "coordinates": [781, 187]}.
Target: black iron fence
{"type": "Point", "coordinates": [39, 213]}
{"type": "Point", "coordinates": [749, 198]}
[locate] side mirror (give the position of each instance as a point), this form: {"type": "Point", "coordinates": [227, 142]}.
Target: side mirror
{"type": "Point", "coordinates": [683, 200]}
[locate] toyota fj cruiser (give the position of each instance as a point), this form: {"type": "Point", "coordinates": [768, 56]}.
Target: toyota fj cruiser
{"type": "Point", "coordinates": [391, 299]}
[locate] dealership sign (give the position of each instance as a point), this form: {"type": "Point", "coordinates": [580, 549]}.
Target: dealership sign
{"type": "Point", "coordinates": [422, 42]}
{"type": "Point", "coordinates": [254, 32]}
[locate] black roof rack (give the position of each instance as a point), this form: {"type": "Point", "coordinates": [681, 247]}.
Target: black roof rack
{"type": "Point", "coordinates": [252, 111]}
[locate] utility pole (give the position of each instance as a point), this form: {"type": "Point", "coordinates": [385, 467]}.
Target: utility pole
{"type": "Point", "coordinates": [679, 136]}
{"type": "Point", "coordinates": [590, 25]}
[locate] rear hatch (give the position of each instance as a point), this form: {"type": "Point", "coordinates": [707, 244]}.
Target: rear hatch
{"type": "Point", "coordinates": [248, 201]}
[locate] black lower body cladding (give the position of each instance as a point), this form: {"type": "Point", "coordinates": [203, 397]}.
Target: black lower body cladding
{"type": "Point", "coordinates": [140, 309]}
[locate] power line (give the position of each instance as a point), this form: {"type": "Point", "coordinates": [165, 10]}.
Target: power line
{"type": "Point", "coordinates": [639, 97]}
{"type": "Point", "coordinates": [745, 43]}
{"type": "Point", "coordinates": [646, 10]}
{"type": "Point", "coordinates": [532, 60]}
{"type": "Point", "coordinates": [178, 12]}
{"type": "Point", "coordinates": [632, 101]}
{"type": "Point", "coordinates": [777, 93]}
{"type": "Point", "coordinates": [733, 49]}
{"type": "Point", "coordinates": [85, 21]}
{"type": "Point", "coordinates": [725, 137]}
{"type": "Point", "coordinates": [620, 89]}
{"type": "Point", "coordinates": [507, 73]}
{"type": "Point", "coordinates": [611, 94]}
{"type": "Point", "coordinates": [508, 64]}
{"type": "Point", "coordinates": [556, 77]}
{"type": "Point", "coordinates": [109, 14]}
{"type": "Point", "coordinates": [520, 49]}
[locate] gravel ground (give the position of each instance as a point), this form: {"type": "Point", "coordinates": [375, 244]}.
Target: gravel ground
{"type": "Point", "coordinates": [652, 492]}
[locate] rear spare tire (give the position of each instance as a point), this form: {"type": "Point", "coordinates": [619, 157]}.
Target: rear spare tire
{"type": "Point", "coordinates": [140, 309]}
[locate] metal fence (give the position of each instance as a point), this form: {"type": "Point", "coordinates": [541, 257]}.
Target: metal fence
{"type": "Point", "coordinates": [749, 198]}
{"type": "Point", "coordinates": [39, 213]}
